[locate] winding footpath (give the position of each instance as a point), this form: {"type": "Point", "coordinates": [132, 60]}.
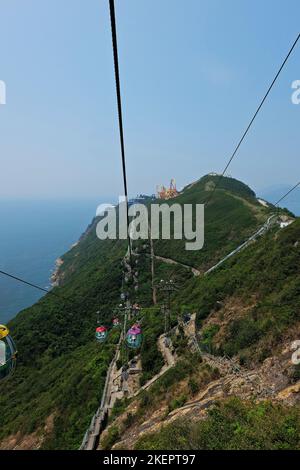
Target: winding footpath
{"type": "Point", "coordinates": [233, 380]}
{"type": "Point", "coordinates": [196, 272]}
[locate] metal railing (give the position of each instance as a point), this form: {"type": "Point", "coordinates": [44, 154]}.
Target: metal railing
{"type": "Point", "coordinates": [90, 438]}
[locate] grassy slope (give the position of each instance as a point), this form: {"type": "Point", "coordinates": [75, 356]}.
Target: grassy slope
{"type": "Point", "coordinates": [61, 370]}
{"type": "Point", "coordinates": [265, 277]}
{"type": "Point", "coordinates": [232, 425]}
{"type": "Point", "coordinates": [231, 216]}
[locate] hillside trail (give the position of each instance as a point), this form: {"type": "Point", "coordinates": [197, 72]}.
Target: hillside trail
{"type": "Point", "coordinates": [120, 384]}
{"type": "Point", "coordinates": [164, 345]}
{"type": "Point", "coordinates": [227, 366]}
{"type": "Point", "coordinates": [119, 389]}
{"type": "Point", "coordinates": [99, 419]}
{"type": "Point", "coordinates": [271, 221]}
{"type": "Point", "coordinates": [234, 380]}
{"type": "Point", "coordinates": [195, 271]}
{"type": "Point", "coordinates": [130, 387]}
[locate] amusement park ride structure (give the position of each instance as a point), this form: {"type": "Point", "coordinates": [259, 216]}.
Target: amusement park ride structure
{"type": "Point", "coordinates": [167, 193]}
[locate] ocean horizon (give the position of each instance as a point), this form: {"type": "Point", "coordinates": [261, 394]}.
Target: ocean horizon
{"type": "Point", "coordinates": [33, 235]}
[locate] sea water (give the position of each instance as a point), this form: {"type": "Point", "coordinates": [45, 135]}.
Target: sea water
{"type": "Point", "coordinates": [33, 234]}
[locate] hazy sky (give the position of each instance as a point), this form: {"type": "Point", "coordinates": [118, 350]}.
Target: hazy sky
{"type": "Point", "coordinates": [192, 74]}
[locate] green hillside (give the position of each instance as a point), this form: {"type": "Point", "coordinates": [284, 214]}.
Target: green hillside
{"type": "Point", "coordinates": [61, 371]}
{"type": "Point", "coordinates": [232, 425]}
{"type": "Point", "coordinates": [231, 216]}
{"type": "Point", "coordinates": [264, 280]}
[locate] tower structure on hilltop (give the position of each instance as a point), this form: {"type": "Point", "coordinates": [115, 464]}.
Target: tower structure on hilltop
{"type": "Point", "coordinates": [167, 193]}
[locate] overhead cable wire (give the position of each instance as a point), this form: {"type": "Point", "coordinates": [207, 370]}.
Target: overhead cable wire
{"type": "Point", "coordinates": [35, 286]}
{"type": "Point", "coordinates": [253, 119]}
{"type": "Point", "coordinates": [23, 281]}
{"type": "Point", "coordinates": [119, 104]}
{"type": "Point", "coordinates": [287, 194]}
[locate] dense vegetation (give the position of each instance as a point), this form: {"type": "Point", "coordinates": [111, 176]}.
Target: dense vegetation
{"type": "Point", "coordinates": [232, 215]}
{"type": "Point", "coordinates": [189, 375]}
{"type": "Point", "coordinates": [232, 425]}
{"type": "Point", "coordinates": [264, 281]}
{"type": "Point", "coordinates": [61, 370]}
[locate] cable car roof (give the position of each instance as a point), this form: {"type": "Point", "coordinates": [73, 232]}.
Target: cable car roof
{"type": "Point", "coordinates": [101, 329]}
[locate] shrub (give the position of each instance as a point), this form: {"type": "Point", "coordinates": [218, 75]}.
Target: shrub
{"type": "Point", "coordinates": [177, 403]}
{"type": "Point", "coordinates": [232, 425]}
{"type": "Point", "coordinates": [193, 386]}
{"type": "Point", "coordinates": [110, 438]}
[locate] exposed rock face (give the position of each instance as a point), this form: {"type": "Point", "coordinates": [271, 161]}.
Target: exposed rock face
{"type": "Point", "coordinates": [247, 385]}
{"type": "Point", "coordinates": [56, 276]}
{"type": "Point", "coordinates": [267, 381]}
{"type": "Point", "coordinates": [32, 441]}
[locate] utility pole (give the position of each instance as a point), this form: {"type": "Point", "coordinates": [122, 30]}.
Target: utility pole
{"type": "Point", "coordinates": [167, 287]}
{"type": "Point", "coordinates": [152, 257]}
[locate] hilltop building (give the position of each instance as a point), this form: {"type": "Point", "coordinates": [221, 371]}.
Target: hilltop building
{"type": "Point", "coordinates": [167, 193]}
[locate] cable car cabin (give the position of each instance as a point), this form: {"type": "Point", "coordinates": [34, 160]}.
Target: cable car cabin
{"type": "Point", "coordinates": [116, 322]}
{"type": "Point", "coordinates": [134, 337]}
{"type": "Point", "coordinates": [8, 353]}
{"type": "Point", "coordinates": [101, 333]}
